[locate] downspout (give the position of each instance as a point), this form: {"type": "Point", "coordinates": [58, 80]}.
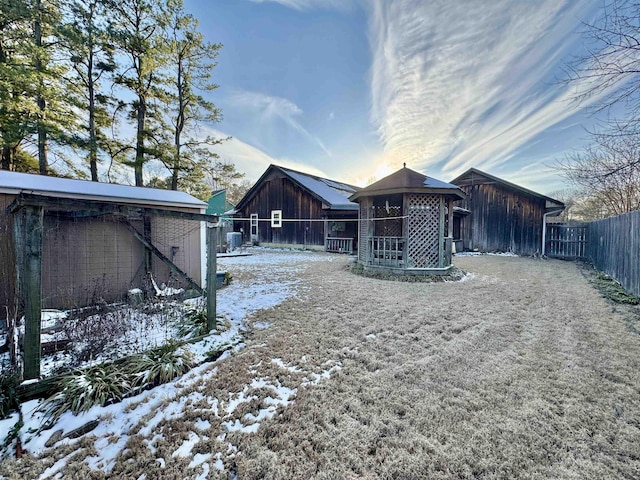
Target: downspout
{"type": "Point", "coordinates": [544, 228]}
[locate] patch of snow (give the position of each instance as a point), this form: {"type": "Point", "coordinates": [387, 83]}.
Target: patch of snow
{"type": "Point", "coordinates": [144, 413]}
{"type": "Point", "coordinates": [281, 364]}
{"type": "Point", "coordinates": [205, 472]}
{"type": "Point", "coordinates": [199, 459]}
{"type": "Point", "coordinates": [477, 254]}
{"type": "Point", "coordinates": [202, 424]}
{"type": "Point", "coordinates": [184, 450]}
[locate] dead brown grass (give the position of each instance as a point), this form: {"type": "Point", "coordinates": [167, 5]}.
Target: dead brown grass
{"type": "Point", "coordinates": [523, 371]}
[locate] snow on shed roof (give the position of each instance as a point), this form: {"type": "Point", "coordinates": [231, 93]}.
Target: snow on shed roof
{"type": "Point", "coordinates": [15, 183]}
{"type": "Point", "coordinates": [335, 194]}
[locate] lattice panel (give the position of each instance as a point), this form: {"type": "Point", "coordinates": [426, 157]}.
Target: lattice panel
{"type": "Point", "coordinates": [423, 225]}
{"type": "Point", "coordinates": [391, 227]}
{"type": "Point", "coordinates": [363, 239]}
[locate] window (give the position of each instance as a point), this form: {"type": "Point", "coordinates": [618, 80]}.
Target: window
{"type": "Point", "coordinates": [254, 223]}
{"type": "Point", "coordinates": [276, 218]}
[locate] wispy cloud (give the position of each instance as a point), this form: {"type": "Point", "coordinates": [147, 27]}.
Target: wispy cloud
{"type": "Point", "coordinates": [275, 108]}
{"type": "Point", "coordinates": [302, 5]}
{"type": "Point", "coordinates": [461, 84]}
{"type": "Point", "coordinates": [249, 159]}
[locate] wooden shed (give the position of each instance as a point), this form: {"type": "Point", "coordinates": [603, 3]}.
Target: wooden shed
{"type": "Point", "coordinates": [406, 223]}
{"type": "Point", "coordinates": [287, 208]}
{"type": "Point", "coordinates": [502, 216]}
{"type": "Point", "coordinates": [97, 240]}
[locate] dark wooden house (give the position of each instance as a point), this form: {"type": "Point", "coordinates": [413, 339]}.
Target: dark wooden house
{"type": "Point", "coordinates": [406, 224]}
{"type": "Point", "coordinates": [287, 208]}
{"type": "Point", "coordinates": [501, 216]}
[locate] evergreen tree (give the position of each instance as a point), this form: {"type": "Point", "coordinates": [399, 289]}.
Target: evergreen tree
{"type": "Point", "coordinates": [17, 80]}
{"type": "Point", "coordinates": [91, 54]}
{"type": "Point", "coordinates": [54, 119]}
{"type": "Point", "coordinates": [191, 61]}
{"type": "Point", "coordinates": [139, 39]}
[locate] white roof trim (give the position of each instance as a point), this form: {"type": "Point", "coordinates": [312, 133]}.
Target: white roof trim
{"type": "Point", "coordinates": [15, 183]}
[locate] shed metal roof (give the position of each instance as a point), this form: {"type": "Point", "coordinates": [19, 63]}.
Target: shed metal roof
{"type": "Point", "coordinates": [334, 195]}
{"type": "Point", "coordinates": [16, 183]}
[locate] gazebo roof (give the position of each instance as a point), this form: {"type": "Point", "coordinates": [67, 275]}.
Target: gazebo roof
{"type": "Point", "coordinates": [406, 180]}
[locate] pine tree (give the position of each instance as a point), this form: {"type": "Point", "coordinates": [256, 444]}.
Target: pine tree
{"type": "Point", "coordinates": [138, 37]}
{"type": "Point", "coordinates": [17, 80]}
{"type": "Point", "coordinates": [191, 61]}
{"type": "Point", "coordinates": [91, 53]}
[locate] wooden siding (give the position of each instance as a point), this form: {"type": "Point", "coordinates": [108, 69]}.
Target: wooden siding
{"type": "Point", "coordinates": [7, 259]}
{"type": "Point", "coordinates": [501, 219]}
{"type": "Point", "coordinates": [280, 193]}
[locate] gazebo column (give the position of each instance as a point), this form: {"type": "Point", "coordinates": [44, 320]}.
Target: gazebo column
{"type": "Point", "coordinates": [450, 218]}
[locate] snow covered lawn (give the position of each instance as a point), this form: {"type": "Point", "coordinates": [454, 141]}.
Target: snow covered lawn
{"type": "Point", "coordinates": [520, 371]}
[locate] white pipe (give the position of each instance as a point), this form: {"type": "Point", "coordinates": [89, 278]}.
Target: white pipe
{"type": "Point", "coordinates": [544, 228]}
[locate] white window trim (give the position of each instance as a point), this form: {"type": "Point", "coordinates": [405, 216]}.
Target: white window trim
{"type": "Point", "coordinates": [253, 224]}
{"type": "Point", "coordinates": [276, 218]}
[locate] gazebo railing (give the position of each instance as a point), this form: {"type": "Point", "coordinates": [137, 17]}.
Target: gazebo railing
{"type": "Point", "coordinates": [339, 245]}
{"type": "Point", "coordinates": [387, 251]}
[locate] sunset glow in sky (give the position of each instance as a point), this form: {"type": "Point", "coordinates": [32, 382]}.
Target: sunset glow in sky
{"type": "Point", "coordinates": [352, 89]}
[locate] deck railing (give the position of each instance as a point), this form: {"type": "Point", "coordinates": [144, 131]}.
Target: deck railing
{"type": "Point", "coordinates": [339, 245]}
{"type": "Point", "coordinates": [387, 251]}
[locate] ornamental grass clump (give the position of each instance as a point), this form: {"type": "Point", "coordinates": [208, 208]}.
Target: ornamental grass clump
{"type": "Point", "coordinates": [82, 389]}
{"type": "Point", "coordinates": [194, 324]}
{"type": "Point", "coordinates": [160, 365]}
{"type": "Point", "coordinates": [9, 382]}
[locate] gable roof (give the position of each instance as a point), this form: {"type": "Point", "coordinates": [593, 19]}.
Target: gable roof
{"type": "Point", "coordinates": [218, 203]}
{"type": "Point", "coordinates": [406, 180]}
{"type": "Point", "coordinates": [334, 195]}
{"type": "Point", "coordinates": [16, 183]}
{"type": "Point", "coordinates": [475, 176]}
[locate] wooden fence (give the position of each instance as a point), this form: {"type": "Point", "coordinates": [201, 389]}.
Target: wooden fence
{"type": "Point", "coordinates": [613, 246]}
{"type": "Point", "coordinates": [566, 241]}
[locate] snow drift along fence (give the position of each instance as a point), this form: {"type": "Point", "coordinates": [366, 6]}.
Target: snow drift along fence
{"type": "Point", "coordinates": [613, 246]}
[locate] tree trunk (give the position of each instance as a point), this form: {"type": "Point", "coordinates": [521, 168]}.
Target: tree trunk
{"type": "Point", "coordinates": [139, 162]}
{"type": "Point", "coordinates": [6, 158]}
{"type": "Point", "coordinates": [42, 105]}
{"type": "Point", "coordinates": [93, 144]}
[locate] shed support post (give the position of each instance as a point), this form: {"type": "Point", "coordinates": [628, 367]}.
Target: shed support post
{"type": "Point", "coordinates": [28, 227]}
{"type": "Point", "coordinates": [211, 277]}
{"type": "Point", "coordinates": [441, 235]}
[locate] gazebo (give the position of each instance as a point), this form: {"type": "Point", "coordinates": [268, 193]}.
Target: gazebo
{"type": "Point", "coordinates": [406, 224]}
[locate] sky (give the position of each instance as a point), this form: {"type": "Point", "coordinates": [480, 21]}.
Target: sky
{"type": "Point", "coordinates": [353, 89]}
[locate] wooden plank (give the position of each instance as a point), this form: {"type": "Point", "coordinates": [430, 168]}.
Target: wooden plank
{"type": "Point", "coordinates": [30, 226]}
{"type": "Point", "coordinates": [211, 278]}
{"type": "Point", "coordinates": [164, 259]}
{"type": "Point", "coordinates": [90, 208]}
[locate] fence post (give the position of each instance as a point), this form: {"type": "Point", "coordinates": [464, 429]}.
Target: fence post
{"type": "Point", "coordinates": [211, 276]}
{"type": "Point", "coordinates": [28, 225]}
